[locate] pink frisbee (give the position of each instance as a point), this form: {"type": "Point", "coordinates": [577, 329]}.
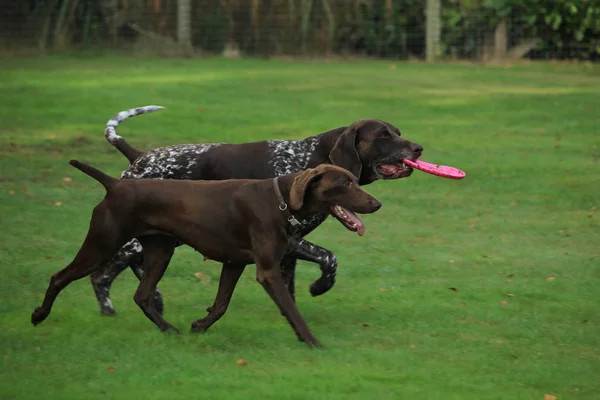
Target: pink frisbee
{"type": "Point", "coordinates": [433, 169]}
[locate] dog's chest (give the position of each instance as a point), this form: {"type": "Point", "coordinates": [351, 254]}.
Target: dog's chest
{"type": "Point", "coordinates": [173, 162]}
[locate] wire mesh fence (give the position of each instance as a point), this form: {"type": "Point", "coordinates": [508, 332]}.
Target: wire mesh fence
{"type": "Point", "coordinates": [401, 29]}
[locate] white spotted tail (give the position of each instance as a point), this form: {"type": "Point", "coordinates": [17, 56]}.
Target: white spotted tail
{"type": "Point", "coordinates": [111, 133]}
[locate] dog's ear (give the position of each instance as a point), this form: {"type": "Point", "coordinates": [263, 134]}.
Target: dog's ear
{"type": "Point", "coordinates": [344, 153]}
{"type": "Point", "coordinates": [301, 184]}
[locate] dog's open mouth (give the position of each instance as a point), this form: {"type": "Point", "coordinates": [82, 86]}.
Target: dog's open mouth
{"type": "Point", "coordinates": [348, 219]}
{"type": "Point", "coordinates": [394, 171]}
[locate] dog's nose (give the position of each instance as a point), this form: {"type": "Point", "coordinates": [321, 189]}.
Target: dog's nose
{"type": "Point", "coordinates": [376, 205]}
{"type": "Point", "coordinates": [417, 149]}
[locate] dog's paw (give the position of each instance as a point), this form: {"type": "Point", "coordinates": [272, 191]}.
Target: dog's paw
{"type": "Point", "coordinates": [168, 328]}
{"type": "Point", "coordinates": [200, 326]}
{"type": "Point", "coordinates": [312, 342]}
{"type": "Point", "coordinates": [107, 311]}
{"type": "Point", "coordinates": [321, 286]}
{"type": "Point", "coordinates": [38, 316]}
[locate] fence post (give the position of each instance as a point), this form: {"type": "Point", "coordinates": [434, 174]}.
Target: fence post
{"type": "Point", "coordinates": [500, 40]}
{"type": "Point", "coordinates": [433, 30]}
{"type": "Point", "coordinates": [184, 22]}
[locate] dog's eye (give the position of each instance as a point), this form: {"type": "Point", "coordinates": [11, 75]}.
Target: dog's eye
{"type": "Point", "coordinates": [348, 184]}
{"type": "Point", "coordinates": [383, 135]}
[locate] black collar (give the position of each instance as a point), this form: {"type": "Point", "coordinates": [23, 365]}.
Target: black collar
{"type": "Point", "coordinates": [283, 206]}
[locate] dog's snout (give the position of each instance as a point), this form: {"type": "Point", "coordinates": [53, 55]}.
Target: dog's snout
{"type": "Point", "coordinates": [417, 149]}
{"type": "Point", "coordinates": [376, 204]}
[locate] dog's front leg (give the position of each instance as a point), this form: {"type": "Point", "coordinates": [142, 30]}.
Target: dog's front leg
{"type": "Point", "coordinates": [304, 250]}
{"type": "Point", "coordinates": [288, 272]}
{"type": "Point", "coordinates": [269, 276]}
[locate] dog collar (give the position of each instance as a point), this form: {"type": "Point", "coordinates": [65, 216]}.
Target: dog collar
{"type": "Point", "coordinates": [283, 206]}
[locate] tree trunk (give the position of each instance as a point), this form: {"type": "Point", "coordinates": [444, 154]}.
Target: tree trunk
{"type": "Point", "coordinates": [433, 29]}
{"type": "Point", "coordinates": [184, 26]}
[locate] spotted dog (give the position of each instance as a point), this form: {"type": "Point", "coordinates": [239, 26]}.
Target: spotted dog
{"type": "Point", "coordinates": [369, 148]}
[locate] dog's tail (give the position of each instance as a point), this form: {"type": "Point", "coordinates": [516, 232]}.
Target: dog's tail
{"type": "Point", "coordinates": [110, 132]}
{"type": "Point", "coordinates": [106, 180]}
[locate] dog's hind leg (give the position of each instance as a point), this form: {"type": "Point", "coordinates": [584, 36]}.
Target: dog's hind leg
{"type": "Point", "coordinates": [230, 275]}
{"type": "Point", "coordinates": [102, 279]}
{"type": "Point", "coordinates": [101, 242]}
{"type": "Point", "coordinates": [158, 250]}
{"type": "Point", "coordinates": [89, 258]}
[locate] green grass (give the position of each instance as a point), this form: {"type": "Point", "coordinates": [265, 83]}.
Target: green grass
{"type": "Point", "coordinates": [518, 238]}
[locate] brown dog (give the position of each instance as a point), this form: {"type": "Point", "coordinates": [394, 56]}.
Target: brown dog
{"type": "Point", "coordinates": [237, 222]}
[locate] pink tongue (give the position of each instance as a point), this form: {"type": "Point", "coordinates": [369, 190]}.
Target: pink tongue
{"type": "Point", "coordinates": [356, 221]}
{"type": "Point", "coordinates": [361, 229]}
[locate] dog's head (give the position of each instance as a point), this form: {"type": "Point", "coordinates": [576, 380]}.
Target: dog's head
{"type": "Point", "coordinates": [334, 190]}
{"type": "Point", "coordinates": [372, 149]}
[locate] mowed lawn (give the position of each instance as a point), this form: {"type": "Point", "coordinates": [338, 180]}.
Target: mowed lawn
{"type": "Point", "coordinates": [485, 288]}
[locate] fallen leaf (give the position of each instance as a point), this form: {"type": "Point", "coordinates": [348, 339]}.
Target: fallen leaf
{"type": "Point", "coordinates": [453, 289]}
{"type": "Point", "coordinates": [504, 302]}
{"type": "Point", "coordinates": [412, 346]}
{"type": "Point", "coordinates": [58, 203]}
{"type": "Point", "coordinates": [241, 362]}
{"type": "Point", "coordinates": [382, 289]}
{"type": "Point", "coordinates": [393, 66]}
{"type": "Point", "coordinates": [110, 369]}
{"type": "Point", "coordinates": [202, 277]}
{"type": "Point", "coordinates": [451, 261]}
{"type": "Point", "coordinates": [510, 294]}
{"type": "Point", "coordinates": [365, 325]}
{"type": "Point", "coordinates": [11, 192]}
{"type": "Point", "coordinates": [550, 278]}
{"type": "Point", "coordinates": [67, 179]}
{"type": "Point", "coordinates": [514, 203]}
{"type": "Point", "coordinates": [550, 397]}
{"type": "Point", "coordinates": [461, 305]}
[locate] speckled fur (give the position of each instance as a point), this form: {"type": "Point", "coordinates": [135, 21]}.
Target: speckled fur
{"type": "Point", "coordinates": [110, 131]}
{"type": "Point", "coordinates": [291, 156]}
{"type": "Point", "coordinates": [173, 162]}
